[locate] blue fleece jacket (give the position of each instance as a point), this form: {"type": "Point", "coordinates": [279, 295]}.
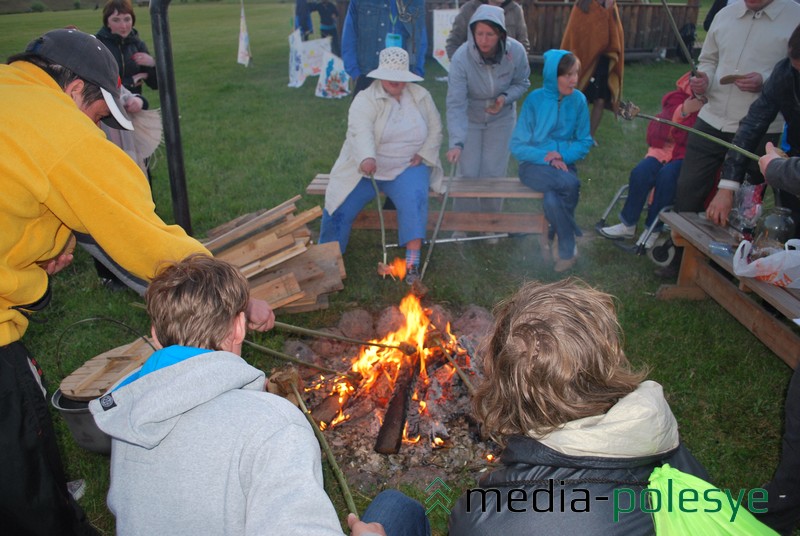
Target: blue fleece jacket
{"type": "Point", "coordinates": [552, 122]}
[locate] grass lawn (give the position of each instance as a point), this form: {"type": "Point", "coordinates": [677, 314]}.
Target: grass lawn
{"type": "Point", "coordinates": [251, 142]}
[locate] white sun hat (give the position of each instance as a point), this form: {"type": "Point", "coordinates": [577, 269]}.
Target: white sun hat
{"type": "Point", "coordinates": [393, 67]}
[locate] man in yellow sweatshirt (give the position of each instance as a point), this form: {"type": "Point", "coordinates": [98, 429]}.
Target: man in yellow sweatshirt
{"type": "Point", "coordinates": [59, 174]}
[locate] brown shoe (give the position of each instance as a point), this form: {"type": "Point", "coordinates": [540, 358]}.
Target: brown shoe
{"type": "Point", "coordinates": [562, 265]}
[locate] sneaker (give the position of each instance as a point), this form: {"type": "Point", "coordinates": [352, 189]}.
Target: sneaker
{"type": "Point", "coordinates": [651, 240]}
{"type": "Point", "coordinates": [619, 231]}
{"type": "Point", "coordinates": [76, 488]}
{"type": "Point", "coordinates": [458, 235]}
{"type": "Point", "coordinates": [412, 274]}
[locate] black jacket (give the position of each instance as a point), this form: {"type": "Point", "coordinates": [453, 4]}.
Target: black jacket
{"type": "Point", "coordinates": [573, 495]}
{"type": "Point", "coordinates": [781, 93]}
{"type": "Point", "coordinates": [123, 51]}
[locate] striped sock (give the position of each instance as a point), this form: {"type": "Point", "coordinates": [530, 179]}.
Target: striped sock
{"type": "Point", "coordinates": [412, 257]}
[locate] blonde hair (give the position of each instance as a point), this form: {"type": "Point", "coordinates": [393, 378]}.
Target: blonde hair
{"type": "Point", "coordinates": [195, 301]}
{"type": "Point", "coordinates": [555, 355]}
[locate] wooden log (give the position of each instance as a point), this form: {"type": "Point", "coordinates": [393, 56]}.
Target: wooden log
{"type": "Point", "coordinates": [390, 436]}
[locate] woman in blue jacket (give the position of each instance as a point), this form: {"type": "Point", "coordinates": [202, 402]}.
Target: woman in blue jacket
{"type": "Point", "coordinates": [552, 134]}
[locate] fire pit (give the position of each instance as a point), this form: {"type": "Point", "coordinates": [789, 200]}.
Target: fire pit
{"type": "Point", "coordinates": [408, 418]}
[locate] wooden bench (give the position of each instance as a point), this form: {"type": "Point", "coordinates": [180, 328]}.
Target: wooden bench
{"type": "Point", "coordinates": [698, 278]}
{"type": "Point", "coordinates": [532, 221]}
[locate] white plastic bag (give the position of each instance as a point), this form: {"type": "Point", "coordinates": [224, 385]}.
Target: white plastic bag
{"type": "Point", "coordinates": [781, 269]}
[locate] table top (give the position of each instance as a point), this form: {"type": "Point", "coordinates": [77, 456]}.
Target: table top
{"type": "Point", "coordinates": [700, 232]}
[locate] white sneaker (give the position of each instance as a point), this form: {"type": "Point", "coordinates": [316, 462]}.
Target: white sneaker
{"type": "Point", "coordinates": [76, 488]}
{"type": "Point", "coordinates": [619, 231]}
{"type": "Point", "coordinates": [651, 240]}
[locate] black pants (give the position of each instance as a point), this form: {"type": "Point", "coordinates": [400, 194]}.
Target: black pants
{"type": "Point", "coordinates": [33, 489]}
{"type": "Point", "coordinates": [783, 505]}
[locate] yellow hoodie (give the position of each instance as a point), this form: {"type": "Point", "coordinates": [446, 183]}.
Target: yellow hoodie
{"type": "Point", "coordinates": [59, 173]}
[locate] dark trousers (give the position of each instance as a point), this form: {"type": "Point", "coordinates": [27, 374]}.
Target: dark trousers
{"type": "Point", "coordinates": [783, 506]}
{"type": "Point", "coordinates": [33, 489]}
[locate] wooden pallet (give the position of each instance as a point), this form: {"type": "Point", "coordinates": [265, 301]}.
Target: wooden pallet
{"type": "Point", "coordinates": [98, 374]}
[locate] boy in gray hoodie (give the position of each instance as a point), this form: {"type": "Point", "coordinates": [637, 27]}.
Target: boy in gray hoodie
{"type": "Point", "coordinates": [198, 447]}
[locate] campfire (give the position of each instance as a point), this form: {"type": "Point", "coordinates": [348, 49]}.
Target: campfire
{"type": "Point", "coordinates": [409, 398]}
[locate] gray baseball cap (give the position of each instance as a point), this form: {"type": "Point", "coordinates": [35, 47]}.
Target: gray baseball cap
{"type": "Point", "coordinates": [86, 56]}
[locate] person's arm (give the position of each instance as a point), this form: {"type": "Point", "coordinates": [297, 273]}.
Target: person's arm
{"type": "Point", "coordinates": [780, 172]}
{"type": "Point", "coordinates": [520, 28]}
{"type": "Point", "coordinates": [430, 149]}
{"type": "Point", "coordinates": [577, 148]}
{"type": "Point", "coordinates": [422, 42]}
{"type": "Point", "coordinates": [458, 33]}
{"type": "Point", "coordinates": [361, 126]}
{"type": "Point", "coordinates": [147, 64]}
{"type": "Point", "coordinates": [522, 145]}
{"type": "Point", "coordinates": [457, 102]}
{"type": "Point", "coordinates": [349, 42]}
{"type": "Point", "coordinates": [520, 78]}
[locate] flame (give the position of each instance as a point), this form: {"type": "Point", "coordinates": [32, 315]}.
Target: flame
{"type": "Point", "coordinates": [340, 417]}
{"type": "Point", "coordinates": [490, 457]}
{"type": "Point", "coordinates": [438, 441]}
{"type": "Point", "coordinates": [407, 439]}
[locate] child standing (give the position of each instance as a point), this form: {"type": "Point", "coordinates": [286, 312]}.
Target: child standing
{"type": "Point", "coordinates": [328, 21]}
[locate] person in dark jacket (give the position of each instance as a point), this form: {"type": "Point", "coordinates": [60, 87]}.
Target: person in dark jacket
{"type": "Point", "coordinates": [136, 65]}
{"type": "Point", "coordinates": [781, 94]}
{"type": "Point", "coordinates": [578, 424]}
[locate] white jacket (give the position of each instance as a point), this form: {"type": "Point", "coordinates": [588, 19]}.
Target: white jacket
{"type": "Point", "coordinates": [366, 122]}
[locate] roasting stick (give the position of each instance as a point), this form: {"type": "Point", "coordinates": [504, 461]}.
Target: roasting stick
{"type": "Point", "coordinates": [287, 383]}
{"type": "Point", "coordinates": [380, 217]}
{"type": "Point", "coordinates": [290, 359]}
{"type": "Point", "coordinates": [406, 348]}
{"type": "Point", "coordinates": [677, 32]}
{"type": "Point", "coordinates": [628, 110]}
{"type": "Point", "coordinates": [432, 241]}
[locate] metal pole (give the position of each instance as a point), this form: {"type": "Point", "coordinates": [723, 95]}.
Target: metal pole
{"type": "Point", "coordinates": [169, 113]}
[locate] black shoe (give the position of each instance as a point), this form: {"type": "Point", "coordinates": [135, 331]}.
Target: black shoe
{"type": "Point", "coordinates": [113, 284]}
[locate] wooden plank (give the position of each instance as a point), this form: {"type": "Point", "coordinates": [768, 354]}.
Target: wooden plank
{"type": "Point", "coordinates": [256, 224]}
{"type": "Point", "coordinates": [278, 292]}
{"type": "Point", "coordinates": [774, 334]}
{"type": "Point", "coordinates": [320, 303]}
{"type": "Point", "coordinates": [294, 223]}
{"type": "Point", "coordinates": [496, 187]}
{"type": "Point", "coordinates": [499, 222]}
{"type": "Point", "coordinates": [257, 267]}
{"type": "Point", "coordinates": [219, 230]}
{"type": "Point", "coordinates": [252, 250]}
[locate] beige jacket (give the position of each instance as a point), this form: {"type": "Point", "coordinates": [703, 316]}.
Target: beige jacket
{"type": "Point", "coordinates": [365, 125]}
{"type": "Point", "coordinates": [740, 42]}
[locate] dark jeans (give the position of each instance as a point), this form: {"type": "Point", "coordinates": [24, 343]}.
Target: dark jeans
{"type": "Point", "coordinates": [649, 174]}
{"type": "Point", "coordinates": [399, 515]}
{"type": "Point", "coordinates": [33, 489]}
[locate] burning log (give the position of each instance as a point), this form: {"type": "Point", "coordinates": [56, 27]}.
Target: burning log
{"type": "Point", "coordinates": [327, 410]}
{"type": "Point", "coordinates": [390, 435]}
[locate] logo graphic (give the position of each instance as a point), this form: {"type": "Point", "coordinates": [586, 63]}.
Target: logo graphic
{"type": "Point", "coordinates": [107, 402]}
{"type": "Point", "coordinates": [437, 497]}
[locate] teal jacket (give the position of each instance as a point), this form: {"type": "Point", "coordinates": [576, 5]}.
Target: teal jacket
{"type": "Point", "coordinates": [550, 122]}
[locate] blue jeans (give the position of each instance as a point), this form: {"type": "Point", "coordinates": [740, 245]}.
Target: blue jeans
{"type": "Point", "coordinates": [409, 193]}
{"type": "Point", "coordinates": [399, 515]}
{"type": "Point", "coordinates": [561, 191]}
{"type": "Point", "coordinates": [648, 174]}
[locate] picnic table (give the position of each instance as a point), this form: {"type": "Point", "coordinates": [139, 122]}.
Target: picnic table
{"type": "Point", "coordinates": [704, 274]}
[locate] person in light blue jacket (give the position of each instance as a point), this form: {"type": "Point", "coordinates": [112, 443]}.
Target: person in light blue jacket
{"type": "Point", "coordinates": [552, 134]}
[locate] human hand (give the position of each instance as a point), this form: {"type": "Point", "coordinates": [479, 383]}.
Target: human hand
{"type": "Point", "coordinates": [552, 155]}
{"type": "Point", "coordinates": [698, 83]}
{"type": "Point", "coordinates": [751, 83]}
{"type": "Point", "coordinates": [357, 528]}
{"type": "Point", "coordinates": [495, 108]}
{"type": "Point", "coordinates": [692, 105]}
{"type": "Point", "coordinates": [144, 59]}
{"type": "Point", "coordinates": [415, 160]}
{"type": "Point", "coordinates": [720, 207]}
{"type": "Point", "coordinates": [453, 155]}
{"type": "Point", "coordinates": [771, 154]}
{"type": "Point", "coordinates": [559, 164]}
{"type": "Point", "coordinates": [134, 105]}
{"type": "Point", "coordinates": [369, 167]}
{"type": "Point", "coordinates": [54, 266]}
{"type": "Point", "coordinates": [260, 316]}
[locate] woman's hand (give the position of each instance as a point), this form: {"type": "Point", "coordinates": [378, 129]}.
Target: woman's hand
{"type": "Point", "coordinates": [368, 167]}
{"type": "Point", "coordinates": [699, 84]}
{"type": "Point", "coordinates": [554, 159]}
{"type": "Point", "coordinates": [144, 59]}
{"type": "Point", "coordinates": [134, 105]}
{"type": "Point", "coordinates": [453, 155]}
{"type": "Point", "coordinates": [415, 160]}
{"type": "Point", "coordinates": [495, 108]}
{"type": "Point", "coordinates": [771, 154]}
{"type": "Point", "coordinates": [751, 83]}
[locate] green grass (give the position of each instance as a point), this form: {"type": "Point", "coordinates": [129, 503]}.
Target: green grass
{"type": "Point", "coordinates": [251, 142]}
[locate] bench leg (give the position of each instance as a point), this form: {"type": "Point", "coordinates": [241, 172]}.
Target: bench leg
{"type": "Point", "coordinates": [686, 288]}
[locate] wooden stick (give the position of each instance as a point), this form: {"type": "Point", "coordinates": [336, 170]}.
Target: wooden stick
{"type": "Point", "coordinates": [290, 359]}
{"type": "Point", "coordinates": [348, 498]}
{"type": "Point", "coordinates": [459, 371]}
{"type": "Point", "coordinates": [390, 436]}
{"type": "Point", "coordinates": [406, 348]}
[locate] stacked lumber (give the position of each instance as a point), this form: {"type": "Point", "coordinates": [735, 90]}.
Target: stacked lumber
{"type": "Point", "coordinates": [273, 249]}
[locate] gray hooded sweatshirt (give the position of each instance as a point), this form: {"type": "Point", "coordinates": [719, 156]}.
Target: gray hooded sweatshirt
{"type": "Point", "coordinates": [199, 448]}
{"type": "Point", "coordinates": [475, 83]}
